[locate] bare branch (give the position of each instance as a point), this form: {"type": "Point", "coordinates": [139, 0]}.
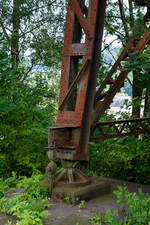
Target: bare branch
{"type": "Point", "coordinates": [108, 45]}
{"type": "Point", "coordinates": [129, 81]}
{"type": "Point", "coordinates": [111, 54]}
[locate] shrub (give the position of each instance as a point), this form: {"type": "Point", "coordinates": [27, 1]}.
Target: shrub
{"type": "Point", "coordinates": [29, 206]}
{"type": "Point", "coordinates": [136, 207]}
{"type": "Point", "coordinates": [24, 118]}
{"type": "Point", "coordinates": [126, 158]}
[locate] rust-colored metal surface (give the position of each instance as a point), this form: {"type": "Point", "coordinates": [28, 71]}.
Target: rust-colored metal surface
{"type": "Point", "coordinates": [69, 139]}
{"type": "Point", "coordinates": [78, 50]}
{"type": "Point", "coordinates": [82, 149]}
{"type": "Point", "coordinates": [81, 54]}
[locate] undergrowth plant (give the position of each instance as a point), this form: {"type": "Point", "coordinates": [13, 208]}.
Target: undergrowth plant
{"type": "Point", "coordinates": [29, 206]}
{"type": "Point", "coordinates": [82, 204]}
{"type": "Point", "coordinates": [135, 206]}
{"type": "Point", "coordinates": [122, 158]}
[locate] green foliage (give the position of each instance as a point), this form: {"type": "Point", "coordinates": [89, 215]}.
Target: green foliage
{"type": "Point", "coordinates": [68, 199]}
{"type": "Point", "coordinates": [96, 219]}
{"type": "Point", "coordinates": [24, 118]}
{"type": "Point", "coordinates": [136, 207]}
{"type": "Point", "coordinates": [125, 158]}
{"type": "Point", "coordinates": [40, 34]}
{"type": "Point", "coordinates": [108, 219]}
{"type": "Point", "coordinates": [5, 184]}
{"type": "Point", "coordinates": [82, 204]}
{"type": "Point", "coordinates": [30, 185]}
{"type": "Point", "coordinates": [140, 65]}
{"type": "Point", "coordinates": [29, 206]}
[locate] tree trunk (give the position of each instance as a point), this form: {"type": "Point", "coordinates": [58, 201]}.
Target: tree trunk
{"type": "Point", "coordinates": [136, 96]}
{"type": "Point", "coordinates": [147, 103]}
{"type": "Point", "coordinates": [123, 18]}
{"type": "Point", "coordinates": [15, 32]}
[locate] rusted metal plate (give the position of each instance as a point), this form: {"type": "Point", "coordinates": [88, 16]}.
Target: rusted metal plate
{"type": "Point", "coordinates": [77, 49]}
{"type": "Point", "coordinates": [69, 118]}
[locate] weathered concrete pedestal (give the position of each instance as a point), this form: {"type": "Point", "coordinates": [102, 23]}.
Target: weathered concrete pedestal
{"type": "Point", "coordinates": [81, 191]}
{"type": "Point", "coordinates": [70, 182]}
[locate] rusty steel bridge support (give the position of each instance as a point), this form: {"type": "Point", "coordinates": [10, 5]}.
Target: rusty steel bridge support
{"type": "Point", "coordinates": [68, 140]}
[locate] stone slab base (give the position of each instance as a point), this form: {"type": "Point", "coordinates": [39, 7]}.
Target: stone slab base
{"type": "Point", "coordinates": [74, 194]}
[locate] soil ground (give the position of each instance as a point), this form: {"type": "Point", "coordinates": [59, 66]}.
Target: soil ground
{"type": "Point", "coordinates": [62, 213]}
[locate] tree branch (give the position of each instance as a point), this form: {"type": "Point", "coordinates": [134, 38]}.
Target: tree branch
{"type": "Point", "coordinates": [116, 32]}
{"type": "Point", "coordinates": [108, 45]}
{"type": "Point", "coordinates": [131, 13]}
{"type": "Point", "coordinates": [111, 54]}
{"type": "Point", "coordinates": [123, 18]}
{"type": "Point", "coordinates": [129, 81]}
